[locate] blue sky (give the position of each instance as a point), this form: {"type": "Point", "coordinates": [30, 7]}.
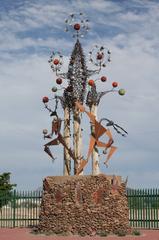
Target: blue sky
{"type": "Point", "coordinates": [30, 30]}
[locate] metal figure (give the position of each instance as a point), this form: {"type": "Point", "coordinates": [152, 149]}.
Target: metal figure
{"type": "Point", "coordinates": [94, 139]}
{"type": "Point", "coordinates": [56, 127]}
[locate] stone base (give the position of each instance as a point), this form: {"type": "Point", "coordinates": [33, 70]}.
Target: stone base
{"type": "Point", "coordinates": [84, 205]}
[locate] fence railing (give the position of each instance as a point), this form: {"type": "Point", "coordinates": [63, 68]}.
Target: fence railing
{"type": "Point", "coordinates": [144, 208]}
{"type": "Point", "coordinates": [21, 209]}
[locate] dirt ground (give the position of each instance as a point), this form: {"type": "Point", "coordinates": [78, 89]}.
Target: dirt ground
{"type": "Point", "coordinates": [25, 234]}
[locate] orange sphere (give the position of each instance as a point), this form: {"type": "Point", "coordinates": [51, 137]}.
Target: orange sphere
{"type": "Point", "coordinates": [91, 82]}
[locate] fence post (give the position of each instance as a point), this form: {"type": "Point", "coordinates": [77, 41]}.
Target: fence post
{"type": "Point", "coordinates": [14, 207]}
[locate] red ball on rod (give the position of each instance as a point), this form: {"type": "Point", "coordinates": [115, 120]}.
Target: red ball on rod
{"type": "Point", "coordinates": [103, 78]}
{"type": "Point", "coordinates": [45, 99]}
{"type": "Point", "coordinates": [91, 82]}
{"type": "Point", "coordinates": [56, 61]}
{"type": "Point", "coordinates": [59, 81]}
{"type": "Point", "coordinates": [114, 84]}
{"type": "Point", "coordinates": [77, 26]}
{"type": "Point", "coordinates": [99, 56]}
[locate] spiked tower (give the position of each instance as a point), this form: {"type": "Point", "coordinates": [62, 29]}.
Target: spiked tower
{"type": "Point", "coordinates": [74, 92]}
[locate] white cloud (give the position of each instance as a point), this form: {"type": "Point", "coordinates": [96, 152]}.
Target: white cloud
{"type": "Point", "coordinates": [100, 5]}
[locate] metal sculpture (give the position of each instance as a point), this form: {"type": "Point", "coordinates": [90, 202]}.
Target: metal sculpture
{"type": "Point", "coordinates": [94, 139]}
{"type": "Point", "coordinates": [80, 90]}
{"type": "Point", "coordinates": [56, 127]}
{"type": "Point", "coordinates": [77, 24]}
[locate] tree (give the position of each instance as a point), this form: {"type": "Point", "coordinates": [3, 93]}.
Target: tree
{"type": "Point", "coordinates": [5, 188]}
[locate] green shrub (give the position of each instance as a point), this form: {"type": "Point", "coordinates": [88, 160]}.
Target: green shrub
{"type": "Point", "coordinates": [103, 233]}
{"type": "Point", "coordinates": [120, 233]}
{"type": "Point", "coordinates": [136, 232]}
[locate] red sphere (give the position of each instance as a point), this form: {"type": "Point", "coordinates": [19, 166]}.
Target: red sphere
{"type": "Point", "coordinates": [56, 61]}
{"type": "Point", "coordinates": [45, 99]}
{"type": "Point", "coordinates": [91, 82]}
{"type": "Point", "coordinates": [77, 26]}
{"type": "Point", "coordinates": [114, 84]}
{"type": "Point", "coordinates": [103, 79]}
{"type": "Point", "coordinates": [59, 81]}
{"type": "Point", "coordinates": [99, 56]}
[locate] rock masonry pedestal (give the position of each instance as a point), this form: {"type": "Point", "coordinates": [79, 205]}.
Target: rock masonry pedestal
{"type": "Point", "coordinates": [84, 205]}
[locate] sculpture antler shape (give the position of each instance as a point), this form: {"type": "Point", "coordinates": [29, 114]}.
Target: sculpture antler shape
{"type": "Point", "coordinates": [115, 126]}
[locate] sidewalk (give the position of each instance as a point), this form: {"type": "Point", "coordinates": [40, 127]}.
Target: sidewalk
{"type": "Point", "coordinates": [25, 234]}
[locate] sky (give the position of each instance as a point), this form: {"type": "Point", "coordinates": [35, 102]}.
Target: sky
{"type": "Point", "coordinates": [29, 31]}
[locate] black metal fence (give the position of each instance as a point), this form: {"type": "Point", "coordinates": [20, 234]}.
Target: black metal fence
{"type": "Point", "coordinates": [21, 208]}
{"type": "Point", "coordinates": [144, 208]}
